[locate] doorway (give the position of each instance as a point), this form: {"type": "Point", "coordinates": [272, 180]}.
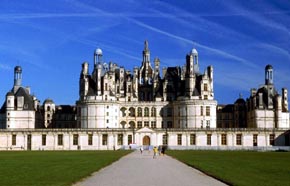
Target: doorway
{"type": "Point", "coordinates": [146, 141]}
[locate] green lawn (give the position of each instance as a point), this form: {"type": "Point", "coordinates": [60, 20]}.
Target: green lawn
{"type": "Point", "coordinates": [52, 167]}
{"type": "Point", "coordinates": [240, 167]}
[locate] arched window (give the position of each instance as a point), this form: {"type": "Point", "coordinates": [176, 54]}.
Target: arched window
{"type": "Point", "coordinates": [123, 110]}
{"type": "Point", "coordinates": [153, 111]}
{"type": "Point", "coordinates": [146, 112]}
{"type": "Point", "coordinates": [132, 125]}
{"type": "Point", "coordinates": [132, 112]}
{"type": "Point", "coordinates": [139, 112]}
{"type": "Point", "coordinates": [48, 108]}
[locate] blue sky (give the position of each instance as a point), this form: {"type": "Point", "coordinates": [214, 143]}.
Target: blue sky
{"type": "Point", "coordinates": [51, 39]}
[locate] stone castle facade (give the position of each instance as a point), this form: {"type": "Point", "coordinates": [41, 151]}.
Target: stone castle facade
{"type": "Point", "coordinates": [118, 107]}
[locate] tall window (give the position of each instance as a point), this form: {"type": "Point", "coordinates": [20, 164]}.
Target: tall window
{"type": "Point", "coordinates": [272, 139]}
{"type": "Point", "coordinates": [90, 139]}
{"type": "Point", "coordinates": [208, 141]}
{"type": "Point", "coordinates": [43, 139]}
{"type": "Point", "coordinates": [139, 112]}
{"type": "Point", "coordinates": [129, 139]}
{"type": "Point", "coordinates": [120, 139]}
{"type": "Point", "coordinates": [139, 124]}
{"type": "Point", "coordinates": [207, 111]}
{"type": "Point", "coordinates": [75, 139]}
{"type": "Point", "coordinates": [239, 139]}
{"type": "Point", "coordinates": [60, 139]}
{"type": "Point", "coordinates": [201, 110]}
{"type": "Point", "coordinates": [146, 112]}
{"type": "Point", "coordinates": [192, 139]}
{"type": "Point", "coordinates": [132, 112]}
{"type": "Point", "coordinates": [205, 87]}
{"type": "Point", "coordinates": [224, 139]}
{"type": "Point", "coordinates": [207, 124]}
{"type": "Point", "coordinates": [106, 86]}
{"type": "Point", "coordinates": [105, 139]}
{"type": "Point", "coordinates": [164, 139]}
{"type": "Point", "coordinates": [255, 139]}
{"type": "Point", "coordinates": [169, 112]}
{"type": "Point", "coordinates": [153, 111]}
{"type": "Point", "coordinates": [153, 124]}
{"type": "Point", "coordinates": [14, 139]}
{"type": "Point", "coordinates": [179, 139]}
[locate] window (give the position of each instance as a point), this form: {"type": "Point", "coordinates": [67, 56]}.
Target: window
{"type": "Point", "coordinates": [75, 139]}
{"type": "Point", "coordinates": [239, 139]}
{"type": "Point", "coordinates": [169, 124]}
{"type": "Point", "coordinates": [169, 112]}
{"type": "Point", "coordinates": [129, 88]}
{"type": "Point", "coordinates": [153, 124]}
{"type": "Point", "coordinates": [106, 86]}
{"type": "Point", "coordinates": [153, 111]}
{"type": "Point", "coordinates": [224, 139]}
{"type": "Point", "coordinates": [179, 139]}
{"type": "Point", "coordinates": [105, 139]}
{"type": "Point", "coordinates": [164, 139]}
{"type": "Point", "coordinates": [90, 139]}
{"type": "Point", "coordinates": [48, 108]}
{"type": "Point", "coordinates": [201, 124]}
{"type": "Point", "coordinates": [208, 141]}
{"type": "Point", "coordinates": [205, 87]}
{"type": "Point", "coordinates": [132, 112]}
{"type": "Point", "coordinates": [272, 139]}
{"type": "Point", "coordinates": [201, 110]}
{"type": "Point", "coordinates": [123, 110]}
{"type": "Point", "coordinates": [146, 112]}
{"type": "Point", "coordinates": [14, 139]}
{"type": "Point", "coordinates": [207, 124]}
{"type": "Point", "coordinates": [255, 139]}
{"type": "Point", "coordinates": [129, 139]}
{"type": "Point", "coordinates": [60, 139]}
{"type": "Point", "coordinates": [43, 139]}
{"type": "Point", "coordinates": [120, 139]}
{"type": "Point", "coordinates": [207, 111]}
{"type": "Point", "coordinates": [206, 97]}
{"type": "Point", "coordinates": [146, 123]}
{"type": "Point", "coordinates": [192, 139]}
{"type": "Point", "coordinates": [107, 114]}
{"type": "Point", "coordinates": [139, 112]}
{"type": "Point", "coordinates": [139, 124]}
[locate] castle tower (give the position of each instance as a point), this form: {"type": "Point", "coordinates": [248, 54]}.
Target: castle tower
{"type": "Point", "coordinates": [191, 68]}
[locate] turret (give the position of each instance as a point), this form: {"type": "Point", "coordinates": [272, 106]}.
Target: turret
{"type": "Point", "coordinates": [269, 76]}
{"type": "Point", "coordinates": [98, 56]}
{"type": "Point", "coordinates": [146, 52]}
{"type": "Point", "coordinates": [17, 78]}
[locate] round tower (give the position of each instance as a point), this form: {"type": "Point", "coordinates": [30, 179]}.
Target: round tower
{"type": "Point", "coordinates": [17, 76]}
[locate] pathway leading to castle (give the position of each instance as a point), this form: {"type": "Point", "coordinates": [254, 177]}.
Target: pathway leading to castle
{"type": "Point", "coordinates": [142, 170]}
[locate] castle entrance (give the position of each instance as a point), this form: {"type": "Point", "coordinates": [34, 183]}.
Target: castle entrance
{"type": "Point", "coordinates": [146, 141]}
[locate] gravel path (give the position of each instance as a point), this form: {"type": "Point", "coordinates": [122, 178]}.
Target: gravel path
{"type": "Point", "coordinates": [142, 170]}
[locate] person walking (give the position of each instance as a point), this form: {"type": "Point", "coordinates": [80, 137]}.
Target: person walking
{"type": "Point", "coordinates": [155, 151]}
{"type": "Point", "coordinates": [141, 149]}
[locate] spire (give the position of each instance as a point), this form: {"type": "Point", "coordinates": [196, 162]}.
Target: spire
{"type": "Point", "coordinates": [146, 52]}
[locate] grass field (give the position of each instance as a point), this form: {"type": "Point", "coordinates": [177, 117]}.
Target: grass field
{"type": "Point", "coordinates": [52, 168]}
{"type": "Point", "coordinates": [241, 168]}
